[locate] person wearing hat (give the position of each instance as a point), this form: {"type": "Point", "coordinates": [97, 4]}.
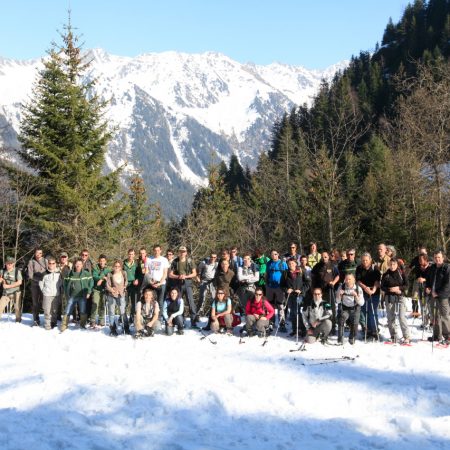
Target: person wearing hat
{"type": "Point", "coordinates": [11, 279]}
{"type": "Point", "coordinates": [181, 273]}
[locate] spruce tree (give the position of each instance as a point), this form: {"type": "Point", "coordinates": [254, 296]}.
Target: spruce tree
{"type": "Point", "coordinates": [64, 137]}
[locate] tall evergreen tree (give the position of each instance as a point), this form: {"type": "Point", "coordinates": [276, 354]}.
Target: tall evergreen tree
{"type": "Point", "coordinates": [64, 137]}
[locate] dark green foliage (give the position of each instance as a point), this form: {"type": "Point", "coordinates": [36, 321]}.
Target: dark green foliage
{"type": "Point", "coordinates": [64, 138]}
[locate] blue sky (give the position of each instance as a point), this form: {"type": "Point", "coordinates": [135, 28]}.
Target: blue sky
{"type": "Point", "coordinates": [312, 33]}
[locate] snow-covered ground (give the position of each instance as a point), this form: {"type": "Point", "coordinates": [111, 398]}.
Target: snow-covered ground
{"type": "Point", "coordinates": [86, 390]}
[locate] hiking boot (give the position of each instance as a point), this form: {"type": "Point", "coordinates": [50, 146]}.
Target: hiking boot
{"type": "Point", "coordinates": [180, 332]}
{"type": "Point", "coordinates": [222, 330]}
{"type": "Point", "coordinates": [150, 331]}
{"type": "Point", "coordinates": [113, 330]}
{"type": "Point", "coordinates": [432, 338]}
{"type": "Point", "coordinates": [83, 321]}
{"type": "Point", "coordinates": [282, 328]}
{"type": "Point", "coordinates": [230, 332]}
{"type": "Point", "coordinates": [351, 340]}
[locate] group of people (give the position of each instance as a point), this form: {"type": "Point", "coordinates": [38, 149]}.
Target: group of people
{"type": "Point", "coordinates": [319, 293]}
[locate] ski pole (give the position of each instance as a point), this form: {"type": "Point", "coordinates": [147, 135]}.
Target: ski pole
{"type": "Point", "coordinates": [374, 321]}
{"type": "Point", "coordinates": [366, 314]}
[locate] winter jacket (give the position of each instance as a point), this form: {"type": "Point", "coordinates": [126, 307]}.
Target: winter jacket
{"type": "Point", "coordinates": [346, 267]}
{"type": "Point", "coordinates": [206, 270]}
{"type": "Point", "coordinates": [52, 284]}
{"type": "Point", "coordinates": [316, 312]}
{"type": "Point", "coordinates": [248, 276]}
{"type": "Point", "coordinates": [294, 280]}
{"type": "Point", "coordinates": [275, 273]}
{"type": "Point", "coordinates": [173, 308]}
{"type": "Point", "coordinates": [130, 269]}
{"type": "Point", "coordinates": [78, 284]}
{"type": "Point", "coordinates": [345, 296]}
{"type": "Point", "coordinates": [439, 277]}
{"type": "Point", "coordinates": [223, 279]}
{"type": "Point", "coordinates": [36, 269]}
{"type": "Point", "coordinates": [262, 265]}
{"type": "Point", "coordinates": [262, 308]}
{"type": "Point", "coordinates": [112, 286]}
{"type": "Point", "coordinates": [393, 278]}
{"type": "Point", "coordinates": [97, 274]}
{"type": "Point", "coordinates": [323, 273]}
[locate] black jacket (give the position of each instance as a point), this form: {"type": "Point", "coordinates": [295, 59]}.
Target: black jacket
{"type": "Point", "coordinates": [440, 277]}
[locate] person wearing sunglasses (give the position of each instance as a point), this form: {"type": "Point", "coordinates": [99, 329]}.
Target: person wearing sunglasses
{"type": "Point", "coordinates": [258, 313]}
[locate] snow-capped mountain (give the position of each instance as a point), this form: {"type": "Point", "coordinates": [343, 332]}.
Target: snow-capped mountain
{"type": "Point", "coordinates": [175, 113]}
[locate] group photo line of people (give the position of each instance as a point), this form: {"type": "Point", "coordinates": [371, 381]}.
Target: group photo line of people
{"type": "Point", "coordinates": [311, 296]}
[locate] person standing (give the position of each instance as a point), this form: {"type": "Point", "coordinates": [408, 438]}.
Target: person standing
{"type": "Point", "coordinates": [393, 284]}
{"type": "Point", "coordinates": [368, 278]}
{"type": "Point", "coordinates": [261, 260]}
{"type": "Point", "coordinates": [248, 276]}
{"type": "Point", "coordinates": [438, 287]}
{"type": "Point", "coordinates": [130, 266]}
{"type": "Point", "coordinates": [157, 269]}
{"type": "Point", "coordinates": [116, 283]}
{"type": "Point", "coordinates": [37, 267]}
{"type": "Point", "coordinates": [78, 287]}
{"type": "Point", "coordinates": [326, 275]}
{"type": "Point", "coordinates": [99, 274]}
{"type": "Point", "coordinates": [206, 272]}
{"type": "Point", "coordinates": [11, 280]}
{"type": "Point", "coordinates": [275, 276]}
{"type": "Point", "coordinates": [64, 267]}
{"type": "Point", "coordinates": [51, 286]}
{"type": "Point", "coordinates": [182, 272]}
{"type": "Point", "coordinates": [314, 255]}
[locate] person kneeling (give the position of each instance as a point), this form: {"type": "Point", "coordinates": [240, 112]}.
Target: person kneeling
{"type": "Point", "coordinates": [173, 312]}
{"type": "Point", "coordinates": [317, 318]}
{"type": "Point", "coordinates": [258, 313]}
{"type": "Point", "coordinates": [147, 313]}
{"type": "Point", "coordinates": [221, 315]}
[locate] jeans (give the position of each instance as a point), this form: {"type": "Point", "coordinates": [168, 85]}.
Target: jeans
{"type": "Point", "coordinates": [177, 321]}
{"type": "Point", "coordinates": [186, 288]}
{"type": "Point", "coordinates": [112, 303]}
{"type": "Point", "coordinates": [80, 301]}
{"type": "Point", "coordinates": [370, 310]}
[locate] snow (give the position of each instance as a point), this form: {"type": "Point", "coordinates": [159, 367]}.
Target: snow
{"type": "Point", "coordinates": [83, 389]}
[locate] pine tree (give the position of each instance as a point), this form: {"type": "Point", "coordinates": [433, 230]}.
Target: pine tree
{"type": "Point", "coordinates": [64, 137]}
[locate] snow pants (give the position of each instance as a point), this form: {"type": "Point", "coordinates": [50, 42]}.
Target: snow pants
{"type": "Point", "coordinates": [51, 306]}
{"type": "Point", "coordinates": [396, 305]}
{"type": "Point", "coordinates": [324, 329]}
{"type": "Point", "coordinates": [440, 317]}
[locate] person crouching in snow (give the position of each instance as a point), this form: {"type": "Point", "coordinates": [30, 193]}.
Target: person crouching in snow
{"type": "Point", "coordinates": [221, 315]}
{"type": "Point", "coordinates": [258, 313]}
{"type": "Point", "coordinates": [173, 310]}
{"type": "Point", "coordinates": [147, 313]}
{"type": "Point", "coordinates": [350, 297]}
{"type": "Point", "coordinates": [317, 318]}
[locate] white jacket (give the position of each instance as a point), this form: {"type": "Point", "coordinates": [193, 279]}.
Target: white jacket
{"type": "Point", "coordinates": [345, 295]}
{"type": "Point", "coordinates": [51, 284]}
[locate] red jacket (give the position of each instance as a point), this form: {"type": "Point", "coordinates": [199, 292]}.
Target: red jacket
{"type": "Point", "coordinates": [257, 308]}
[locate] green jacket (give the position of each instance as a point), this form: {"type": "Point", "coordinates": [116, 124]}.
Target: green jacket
{"type": "Point", "coordinates": [97, 275]}
{"type": "Point", "coordinates": [262, 264]}
{"type": "Point", "coordinates": [78, 284]}
{"type": "Point", "coordinates": [130, 271]}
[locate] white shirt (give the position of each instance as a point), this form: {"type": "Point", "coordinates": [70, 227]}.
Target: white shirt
{"type": "Point", "coordinates": [156, 267]}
